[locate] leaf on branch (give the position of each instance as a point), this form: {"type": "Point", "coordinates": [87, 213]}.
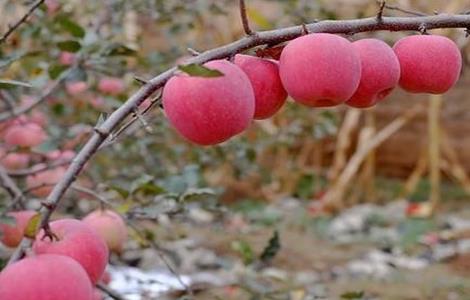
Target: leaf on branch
{"type": "Point", "coordinates": [7, 220]}
{"type": "Point", "coordinates": [271, 250]}
{"type": "Point", "coordinates": [70, 26]}
{"type": "Point", "coordinates": [353, 295]}
{"type": "Point", "coordinates": [32, 228]}
{"type": "Point", "coordinates": [117, 49]}
{"type": "Point", "coordinates": [69, 46]}
{"type": "Point", "coordinates": [56, 70]}
{"type": "Point", "coordinates": [9, 59]}
{"type": "Point", "coordinates": [199, 71]}
{"type": "Point", "coordinates": [8, 84]}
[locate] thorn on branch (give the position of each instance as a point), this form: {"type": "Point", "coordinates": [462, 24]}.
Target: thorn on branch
{"type": "Point", "coordinates": [244, 16]}
{"type": "Point", "coordinates": [49, 205]}
{"type": "Point", "coordinates": [193, 52]}
{"type": "Point", "coordinates": [423, 29]}
{"type": "Point", "coordinates": [140, 80]}
{"type": "Point", "coordinates": [304, 29]}
{"type": "Point", "coordinates": [101, 132]}
{"type": "Point", "coordinates": [381, 10]}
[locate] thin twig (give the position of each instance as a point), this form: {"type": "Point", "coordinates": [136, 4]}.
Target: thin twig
{"type": "Point", "coordinates": [193, 52]}
{"type": "Point", "coordinates": [24, 109]}
{"type": "Point", "coordinates": [92, 193]}
{"type": "Point", "coordinates": [12, 189]}
{"type": "Point", "coordinates": [261, 38]}
{"type": "Point", "coordinates": [244, 16]}
{"type": "Point", "coordinates": [35, 170]}
{"type": "Point", "coordinates": [160, 254]}
{"type": "Point", "coordinates": [111, 293]}
{"type": "Point", "coordinates": [381, 10]}
{"type": "Point", "coordinates": [23, 19]}
{"type": "Point", "coordinates": [406, 11]}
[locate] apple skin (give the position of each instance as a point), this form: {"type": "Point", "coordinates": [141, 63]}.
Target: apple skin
{"type": "Point", "coordinates": [25, 135]}
{"type": "Point", "coordinates": [45, 277]}
{"type": "Point", "coordinates": [48, 178]}
{"type": "Point", "coordinates": [320, 69]}
{"type": "Point", "coordinates": [97, 295]}
{"type": "Point", "coordinates": [380, 73]}
{"type": "Point", "coordinates": [78, 241]}
{"type": "Point", "coordinates": [111, 86]}
{"type": "Point", "coordinates": [270, 95]}
{"type": "Point", "coordinates": [110, 226]}
{"type": "Point", "coordinates": [66, 58]}
{"type": "Point", "coordinates": [75, 88]}
{"type": "Point", "coordinates": [13, 234]}
{"type": "Point", "coordinates": [14, 161]}
{"type": "Point", "coordinates": [429, 63]}
{"type": "Point", "coordinates": [209, 111]}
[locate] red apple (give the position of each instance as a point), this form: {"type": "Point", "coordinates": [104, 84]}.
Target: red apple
{"type": "Point", "coordinates": [14, 161]}
{"type": "Point", "coordinates": [66, 58]}
{"type": "Point", "coordinates": [12, 234]}
{"type": "Point", "coordinates": [53, 6]}
{"type": "Point", "coordinates": [429, 63]}
{"type": "Point", "coordinates": [267, 86]}
{"type": "Point", "coordinates": [110, 226]}
{"type": "Point", "coordinates": [380, 73]}
{"type": "Point", "coordinates": [41, 183]}
{"type": "Point", "coordinates": [75, 88]}
{"type": "Point", "coordinates": [320, 69]}
{"type": "Point", "coordinates": [45, 277]}
{"type": "Point", "coordinates": [111, 86]}
{"type": "Point", "coordinates": [80, 242]}
{"type": "Point", "coordinates": [25, 135]}
{"type": "Point", "coordinates": [209, 111]}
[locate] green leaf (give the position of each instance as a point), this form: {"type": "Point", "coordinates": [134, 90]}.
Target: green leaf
{"type": "Point", "coordinates": [70, 26]}
{"type": "Point", "coordinates": [193, 194]}
{"type": "Point", "coordinates": [118, 49]}
{"type": "Point", "coordinates": [149, 188]}
{"type": "Point", "coordinates": [121, 191]}
{"type": "Point", "coordinates": [58, 108]}
{"type": "Point", "coordinates": [56, 70]}
{"type": "Point", "coordinates": [70, 46]}
{"type": "Point", "coordinates": [142, 180]}
{"type": "Point", "coordinates": [7, 220]}
{"type": "Point", "coordinates": [353, 295]}
{"type": "Point", "coordinates": [7, 84]}
{"type": "Point", "coordinates": [32, 228]}
{"type": "Point", "coordinates": [245, 250]}
{"type": "Point", "coordinates": [199, 71]}
{"type": "Point", "coordinates": [271, 249]}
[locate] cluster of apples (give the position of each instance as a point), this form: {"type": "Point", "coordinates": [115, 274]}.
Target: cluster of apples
{"type": "Point", "coordinates": [67, 265]}
{"type": "Point", "coordinates": [20, 136]}
{"type": "Point", "coordinates": [316, 70]}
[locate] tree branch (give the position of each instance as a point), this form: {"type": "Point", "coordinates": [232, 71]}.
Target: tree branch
{"type": "Point", "coordinates": [261, 38]}
{"type": "Point", "coordinates": [10, 186]}
{"type": "Point", "coordinates": [23, 19]}
{"type": "Point", "coordinates": [24, 109]}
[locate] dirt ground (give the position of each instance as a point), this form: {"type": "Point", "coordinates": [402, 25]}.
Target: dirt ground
{"type": "Point", "coordinates": [304, 252]}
